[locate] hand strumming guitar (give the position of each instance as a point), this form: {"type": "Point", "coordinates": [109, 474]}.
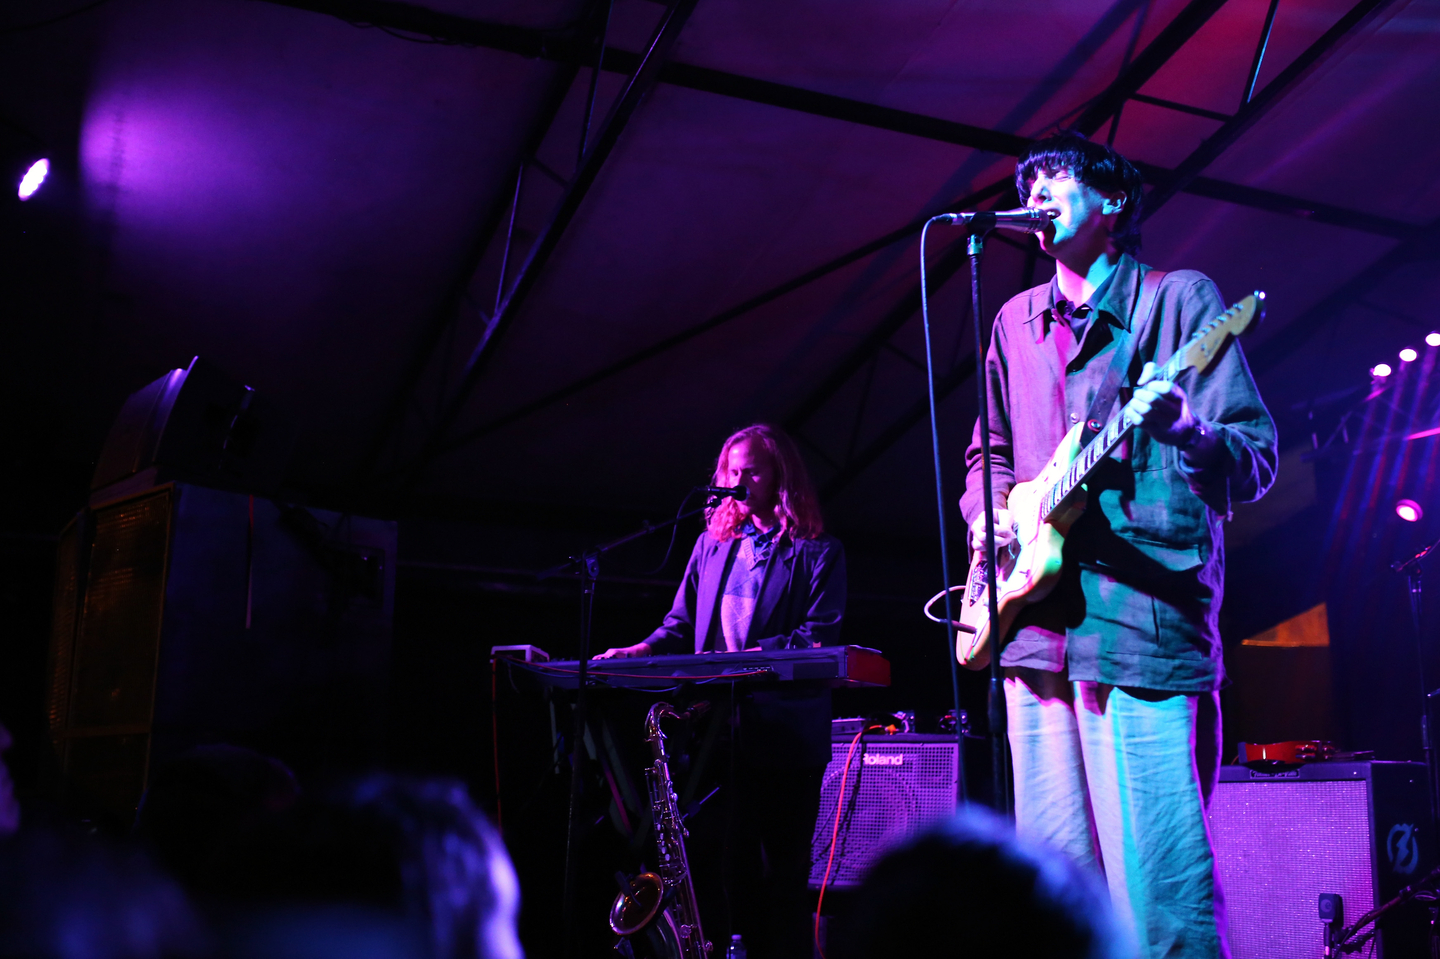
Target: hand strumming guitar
{"type": "Point", "coordinates": [1162, 409]}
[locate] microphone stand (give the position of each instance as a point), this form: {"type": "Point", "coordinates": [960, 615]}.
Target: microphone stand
{"type": "Point", "coordinates": [1412, 570]}
{"type": "Point", "coordinates": [999, 759]}
{"type": "Point", "coordinates": [587, 564]}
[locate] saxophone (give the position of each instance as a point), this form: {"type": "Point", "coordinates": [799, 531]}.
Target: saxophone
{"type": "Point", "coordinates": [663, 904]}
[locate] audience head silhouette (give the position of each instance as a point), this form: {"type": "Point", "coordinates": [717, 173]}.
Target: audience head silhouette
{"type": "Point", "coordinates": [970, 887]}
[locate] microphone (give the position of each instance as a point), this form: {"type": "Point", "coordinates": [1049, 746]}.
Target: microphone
{"type": "Point", "coordinates": [1022, 219]}
{"type": "Point", "coordinates": [739, 492]}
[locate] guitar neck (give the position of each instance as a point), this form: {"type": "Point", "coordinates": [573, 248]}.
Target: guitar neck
{"type": "Point", "coordinates": [1101, 446]}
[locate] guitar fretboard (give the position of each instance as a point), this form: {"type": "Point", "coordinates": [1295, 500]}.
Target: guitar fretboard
{"type": "Point", "coordinates": [1108, 438]}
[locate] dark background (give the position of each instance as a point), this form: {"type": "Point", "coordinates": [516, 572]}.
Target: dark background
{"type": "Point", "coordinates": [316, 197]}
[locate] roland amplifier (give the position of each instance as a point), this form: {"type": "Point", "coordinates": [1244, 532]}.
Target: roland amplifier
{"type": "Point", "coordinates": [897, 786]}
{"type": "Point", "coordinates": [1282, 838]}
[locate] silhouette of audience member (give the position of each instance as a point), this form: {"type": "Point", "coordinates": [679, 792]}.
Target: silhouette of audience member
{"type": "Point", "coordinates": [77, 897]}
{"type": "Point", "coordinates": [970, 887]}
{"type": "Point", "coordinates": [383, 846]}
{"type": "Point", "coordinates": [203, 799]}
{"type": "Point", "coordinates": [9, 805]}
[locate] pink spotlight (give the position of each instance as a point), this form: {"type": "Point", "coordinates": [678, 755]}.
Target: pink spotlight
{"type": "Point", "coordinates": [33, 177]}
{"type": "Point", "coordinates": [1408, 355]}
{"type": "Point", "coordinates": [1381, 370]}
{"type": "Point", "coordinates": [1432, 339]}
{"type": "Point", "coordinates": [1409, 510]}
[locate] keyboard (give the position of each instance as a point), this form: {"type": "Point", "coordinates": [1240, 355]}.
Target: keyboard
{"type": "Point", "coordinates": [833, 666]}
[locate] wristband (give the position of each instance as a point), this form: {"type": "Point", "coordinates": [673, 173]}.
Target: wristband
{"type": "Point", "coordinates": [1198, 434]}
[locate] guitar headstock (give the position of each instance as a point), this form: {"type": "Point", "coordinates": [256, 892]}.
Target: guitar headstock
{"type": "Point", "coordinates": [1208, 342]}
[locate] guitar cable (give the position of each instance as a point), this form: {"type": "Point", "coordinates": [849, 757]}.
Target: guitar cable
{"type": "Point", "coordinates": [835, 832]}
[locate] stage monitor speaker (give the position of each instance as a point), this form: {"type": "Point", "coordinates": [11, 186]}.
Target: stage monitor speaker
{"type": "Point", "coordinates": [1282, 838]}
{"type": "Point", "coordinates": [186, 615]}
{"type": "Point", "coordinates": [897, 786]}
{"type": "Point", "coordinates": [200, 426]}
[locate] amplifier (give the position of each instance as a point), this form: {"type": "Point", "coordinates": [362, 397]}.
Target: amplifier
{"type": "Point", "coordinates": [897, 786]}
{"type": "Point", "coordinates": [186, 615]}
{"type": "Point", "coordinates": [1282, 838]}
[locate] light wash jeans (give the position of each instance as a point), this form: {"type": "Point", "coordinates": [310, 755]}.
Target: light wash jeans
{"type": "Point", "coordinates": [1118, 778]}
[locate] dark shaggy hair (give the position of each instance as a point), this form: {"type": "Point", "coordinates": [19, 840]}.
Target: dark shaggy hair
{"type": "Point", "coordinates": [1095, 165]}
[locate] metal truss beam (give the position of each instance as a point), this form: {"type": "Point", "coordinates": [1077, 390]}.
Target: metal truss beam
{"type": "Point", "coordinates": [566, 47]}
{"type": "Point", "coordinates": [1159, 51]}
{"type": "Point", "coordinates": [1186, 175]}
{"type": "Point", "coordinates": [642, 80]}
{"type": "Point", "coordinates": [1108, 104]}
{"type": "Point", "coordinates": [686, 335]}
{"type": "Point", "coordinates": [1262, 103]}
{"type": "Point", "coordinates": [391, 423]}
{"type": "Point", "coordinates": [1291, 206]}
{"type": "Point", "coordinates": [1170, 39]}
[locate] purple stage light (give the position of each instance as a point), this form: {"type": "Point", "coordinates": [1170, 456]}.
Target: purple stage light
{"type": "Point", "coordinates": [1432, 339]}
{"type": "Point", "coordinates": [1381, 370]}
{"type": "Point", "coordinates": [1408, 355]}
{"type": "Point", "coordinates": [1409, 510]}
{"type": "Point", "coordinates": [33, 177]}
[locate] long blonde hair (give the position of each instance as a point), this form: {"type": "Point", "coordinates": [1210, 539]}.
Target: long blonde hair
{"type": "Point", "coordinates": [796, 508]}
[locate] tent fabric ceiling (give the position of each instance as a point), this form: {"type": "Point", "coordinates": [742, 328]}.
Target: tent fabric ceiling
{"type": "Point", "coordinates": [297, 198]}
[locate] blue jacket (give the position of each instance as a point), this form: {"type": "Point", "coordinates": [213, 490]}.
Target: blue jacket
{"type": "Point", "coordinates": [801, 604]}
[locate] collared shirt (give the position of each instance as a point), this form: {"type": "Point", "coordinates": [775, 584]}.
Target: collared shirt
{"type": "Point", "coordinates": [1139, 598]}
{"type": "Point", "coordinates": [744, 576]}
{"type": "Point", "coordinates": [1079, 316]}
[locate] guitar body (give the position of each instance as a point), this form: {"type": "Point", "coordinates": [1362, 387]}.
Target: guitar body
{"type": "Point", "coordinates": [1030, 568]}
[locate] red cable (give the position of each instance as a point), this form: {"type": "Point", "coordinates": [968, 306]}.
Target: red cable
{"type": "Point", "coordinates": [835, 833]}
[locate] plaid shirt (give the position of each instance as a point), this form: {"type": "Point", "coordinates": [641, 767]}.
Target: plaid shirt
{"type": "Point", "coordinates": [1139, 598]}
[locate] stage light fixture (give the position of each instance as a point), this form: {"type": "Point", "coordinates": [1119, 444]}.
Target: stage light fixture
{"type": "Point", "coordinates": [1432, 339]}
{"type": "Point", "coordinates": [1409, 510]}
{"type": "Point", "coordinates": [33, 178]}
{"type": "Point", "coordinates": [1381, 370]}
{"type": "Point", "coordinates": [1408, 355]}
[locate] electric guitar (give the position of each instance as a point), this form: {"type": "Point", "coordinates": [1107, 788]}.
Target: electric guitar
{"type": "Point", "coordinates": [1043, 509]}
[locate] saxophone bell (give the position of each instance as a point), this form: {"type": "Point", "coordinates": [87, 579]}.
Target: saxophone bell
{"type": "Point", "coordinates": [639, 900]}
{"type": "Point", "coordinates": [661, 904]}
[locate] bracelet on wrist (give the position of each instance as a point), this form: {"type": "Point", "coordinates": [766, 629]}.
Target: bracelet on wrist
{"type": "Point", "coordinates": [1200, 440]}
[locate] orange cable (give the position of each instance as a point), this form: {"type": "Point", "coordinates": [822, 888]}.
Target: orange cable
{"type": "Point", "coordinates": [835, 833]}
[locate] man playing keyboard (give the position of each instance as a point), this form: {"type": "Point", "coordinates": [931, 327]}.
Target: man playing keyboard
{"type": "Point", "coordinates": [764, 575]}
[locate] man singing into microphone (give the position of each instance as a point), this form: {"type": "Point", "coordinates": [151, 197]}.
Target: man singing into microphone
{"type": "Point", "coordinates": [764, 575]}
{"type": "Point", "coordinates": [1111, 682]}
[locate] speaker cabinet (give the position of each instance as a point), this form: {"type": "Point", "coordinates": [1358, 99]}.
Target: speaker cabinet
{"type": "Point", "coordinates": [1281, 839]}
{"type": "Point", "coordinates": [187, 615]}
{"type": "Point", "coordinates": [897, 786]}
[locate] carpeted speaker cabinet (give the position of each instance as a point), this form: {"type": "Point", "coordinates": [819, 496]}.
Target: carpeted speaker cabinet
{"type": "Point", "coordinates": [1282, 838]}
{"type": "Point", "coordinates": [186, 615]}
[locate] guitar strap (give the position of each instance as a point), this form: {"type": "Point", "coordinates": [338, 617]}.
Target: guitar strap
{"type": "Point", "coordinates": [1099, 410]}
